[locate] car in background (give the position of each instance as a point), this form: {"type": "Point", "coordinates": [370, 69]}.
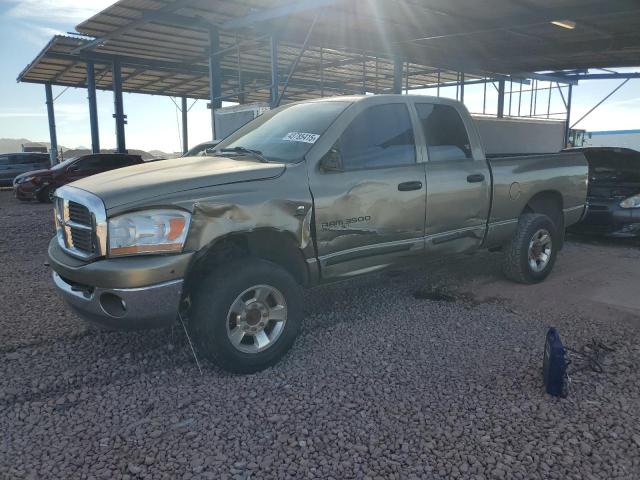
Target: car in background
{"type": "Point", "coordinates": [613, 194]}
{"type": "Point", "coordinates": [41, 184]}
{"type": "Point", "coordinates": [14, 164]}
{"type": "Point", "coordinates": [202, 149]}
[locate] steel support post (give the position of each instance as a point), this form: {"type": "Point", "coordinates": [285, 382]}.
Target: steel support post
{"type": "Point", "coordinates": [274, 71]}
{"type": "Point", "coordinates": [118, 107]}
{"type": "Point", "coordinates": [215, 77]}
{"type": "Point", "coordinates": [93, 107]}
{"type": "Point", "coordinates": [398, 67]}
{"type": "Point", "coordinates": [462, 87]}
{"type": "Point", "coordinates": [567, 129]}
{"type": "Point", "coordinates": [501, 98]}
{"type": "Point", "coordinates": [185, 126]}
{"type": "Point", "coordinates": [53, 151]}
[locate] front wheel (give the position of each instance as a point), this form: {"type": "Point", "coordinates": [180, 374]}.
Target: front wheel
{"type": "Point", "coordinates": [47, 194]}
{"type": "Point", "coordinates": [246, 315]}
{"type": "Point", "coordinates": [530, 256]}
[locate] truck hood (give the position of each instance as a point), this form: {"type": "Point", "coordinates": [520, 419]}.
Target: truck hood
{"type": "Point", "coordinates": [143, 182]}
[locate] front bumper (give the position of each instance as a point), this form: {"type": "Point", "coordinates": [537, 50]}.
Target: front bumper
{"type": "Point", "coordinates": [154, 306]}
{"type": "Point", "coordinates": [25, 191]}
{"type": "Point", "coordinates": [128, 293]}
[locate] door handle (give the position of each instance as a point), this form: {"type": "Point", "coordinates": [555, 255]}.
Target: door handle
{"type": "Point", "coordinates": [408, 186]}
{"type": "Point", "coordinates": [475, 178]}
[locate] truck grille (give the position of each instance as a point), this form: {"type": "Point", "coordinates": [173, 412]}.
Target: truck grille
{"type": "Point", "coordinates": [80, 223]}
{"type": "Point", "coordinates": [79, 213]}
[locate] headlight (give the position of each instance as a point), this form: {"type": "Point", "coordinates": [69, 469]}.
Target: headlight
{"type": "Point", "coordinates": [148, 231]}
{"type": "Point", "coordinates": [631, 202]}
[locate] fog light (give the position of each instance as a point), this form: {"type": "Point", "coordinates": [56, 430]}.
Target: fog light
{"type": "Point", "coordinates": [113, 305]}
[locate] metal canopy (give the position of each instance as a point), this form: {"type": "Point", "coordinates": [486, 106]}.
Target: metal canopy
{"type": "Point", "coordinates": [163, 45]}
{"type": "Point", "coordinates": [342, 73]}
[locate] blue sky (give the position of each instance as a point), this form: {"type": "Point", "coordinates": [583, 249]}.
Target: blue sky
{"type": "Point", "coordinates": [26, 26]}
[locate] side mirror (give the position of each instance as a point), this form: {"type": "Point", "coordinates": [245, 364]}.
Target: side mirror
{"type": "Point", "coordinates": [73, 168]}
{"type": "Point", "coordinates": [332, 161]}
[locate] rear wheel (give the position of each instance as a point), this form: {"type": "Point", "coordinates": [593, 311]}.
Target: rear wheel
{"type": "Point", "coordinates": [246, 315]}
{"type": "Point", "coordinates": [530, 256]}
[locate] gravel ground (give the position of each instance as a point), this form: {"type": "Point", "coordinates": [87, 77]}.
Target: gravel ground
{"type": "Point", "coordinates": [380, 384]}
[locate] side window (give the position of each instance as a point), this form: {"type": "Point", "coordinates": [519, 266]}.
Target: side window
{"type": "Point", "coordinates": [380, 136]}
{"type": "Point", "coordinates": [4, 159]}
{"type": "Point", "coordinates": [444, 132]}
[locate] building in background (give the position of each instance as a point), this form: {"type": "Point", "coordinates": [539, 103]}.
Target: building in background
{"type": "Point", "coordinates": [614, 138]}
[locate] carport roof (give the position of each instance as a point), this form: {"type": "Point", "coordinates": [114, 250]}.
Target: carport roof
{"type": "Point", "coordinates": [164, 44]}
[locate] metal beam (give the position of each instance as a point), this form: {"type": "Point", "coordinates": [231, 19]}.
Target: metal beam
{"type": "Point", "coordinates": [145, 18]}
{"type": "Point", "coordinates": [185, 126]}
{"type": "Point", "coordinates": [604, 76]}
{"type": "Point", "coordinates": [567, 130]}
{"type": "Point", "coordinates": [609, 95]}
{"type": "Point", "coordinates": [275, 13]}
{"type": "Point", "coordinates": [93, 107]}
{"type": "Point", "coordinates": [274, 71]}
{"type": "Point", "coordinates": [501, 98]}
{"type": "Point", "coordinates": [182, 21]}
{"type": "Point", "coordinates": [398, 67]}
{"type": "Point", "coordinates": [215, 77]}
{"type": "Point", "coordinates": [107, 59]}
{"type": "Point", "coordinates": [53, 139]}
{"type": "Point", "coordinates": [554, 78]}
{"type": "Point", "coordinates": [118, 108]}
{"type": "Point", "coordinates": [295, 63]}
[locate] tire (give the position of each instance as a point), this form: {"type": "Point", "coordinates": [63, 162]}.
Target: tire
{"type": "Point", "coordinates": [46, 194]}
{"type": "Point", "coordinates": [218, 314]}
{"type": "Point", "coordinates": [529, 258]}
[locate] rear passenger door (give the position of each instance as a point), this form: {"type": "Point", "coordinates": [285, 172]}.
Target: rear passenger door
{"type": "Point", "coordinates": [370, 208]}
{"type": "Point", "coordinates": [458, 179]}
{"type": "Point", "coordinates": [85, 167]}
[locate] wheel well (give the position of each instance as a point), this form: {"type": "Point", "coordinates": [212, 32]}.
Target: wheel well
{"type": "Point", "coordinates": [275, 246]}
{"type": "Point", "coordinates": [549, 203]}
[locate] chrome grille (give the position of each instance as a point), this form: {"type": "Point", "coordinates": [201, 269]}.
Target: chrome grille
{"type": "Point", "coordinates": [80, 223]}
{"type": "Point", "coordinates": [79, 213]}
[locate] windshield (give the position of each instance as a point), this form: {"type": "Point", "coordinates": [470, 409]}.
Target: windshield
{"type": "Point", "coordinates": [66, 163]}
{"type": "Point", "coordinates": [286, 134]}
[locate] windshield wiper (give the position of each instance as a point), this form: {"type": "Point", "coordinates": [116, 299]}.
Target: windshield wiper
{"type": "Point", "coordinates": [245, 151]}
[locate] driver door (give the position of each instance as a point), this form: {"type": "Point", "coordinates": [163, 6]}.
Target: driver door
{"type": "Point", "coordinates": [369, 194]}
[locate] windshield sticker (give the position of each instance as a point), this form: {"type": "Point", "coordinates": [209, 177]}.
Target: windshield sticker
{"type": "Point", "coordinates": [301, 137]}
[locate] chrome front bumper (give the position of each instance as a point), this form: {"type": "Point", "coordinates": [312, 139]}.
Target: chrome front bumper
{"type": "Point", "coordinates": [154, 306]}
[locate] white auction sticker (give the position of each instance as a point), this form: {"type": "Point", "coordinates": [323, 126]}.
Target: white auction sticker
{"type": "Point", "coordinates": [301, 137]}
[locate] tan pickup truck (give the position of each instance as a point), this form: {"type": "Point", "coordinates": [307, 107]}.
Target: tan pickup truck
{"type": "Point", "coordinates": [308, 193]}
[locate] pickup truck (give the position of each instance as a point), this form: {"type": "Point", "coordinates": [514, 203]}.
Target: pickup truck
{"type": "Point", "coordinates": [308, 193]}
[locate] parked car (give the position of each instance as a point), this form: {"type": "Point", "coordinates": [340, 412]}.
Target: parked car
{"type": "Point", "coordinates": [613, 195]}
{"type": "Point", "coordinates": [14, 164]}
{"type": "Point", "coordinates": [202, 149]}
{"type": "Point", "coordinates": [42, 184]}
{"type": "Point", "coordinates": [308, 193]}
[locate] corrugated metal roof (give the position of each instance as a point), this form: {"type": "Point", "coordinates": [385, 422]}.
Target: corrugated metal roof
{"type": "Point", "coordinates": [352, 40]}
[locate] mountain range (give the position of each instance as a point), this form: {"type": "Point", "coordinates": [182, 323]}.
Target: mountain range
{"type": "Point", "coordinates": [9, 145]}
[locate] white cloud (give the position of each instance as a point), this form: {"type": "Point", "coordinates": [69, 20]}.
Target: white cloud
{"type": "Point", "coordinates": [57, 11]}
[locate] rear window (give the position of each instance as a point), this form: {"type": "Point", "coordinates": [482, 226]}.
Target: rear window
{"type": "Point", "coordinates": [444, 132]}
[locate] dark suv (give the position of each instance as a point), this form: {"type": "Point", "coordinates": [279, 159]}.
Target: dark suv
{"type": "Point", "coordinates": [14, 164]}
{"type": "Point", "coordinates": [41, 184]}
